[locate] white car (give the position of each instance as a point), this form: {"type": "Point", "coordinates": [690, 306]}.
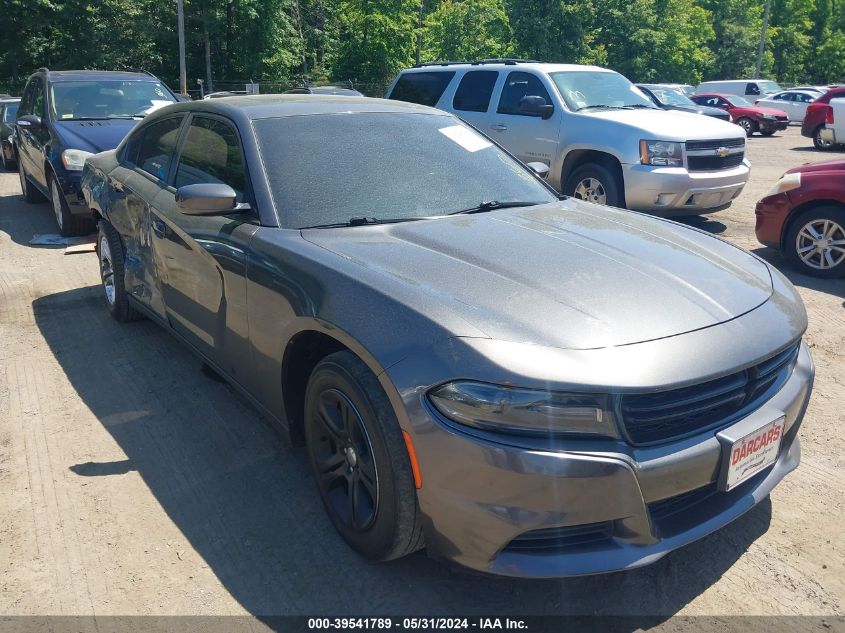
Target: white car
{"type": "Point", "coordinates": [793, 102]}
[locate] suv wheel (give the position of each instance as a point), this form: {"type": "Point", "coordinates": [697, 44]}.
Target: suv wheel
{"type": "Point", "coordinates": [110, 254]}
{"type": "Point", "coordinates": [359, 459]}
{"type": "Point", "coordinates": [69, 224]}
{"type": "Point", "coordinates": [819, 142]}
{"type": "Point", "coordinates": [747, 124]}
{"type": "Point", "coordinates": [594, 183]}
{"type": "Point", "coordinates": [815, 242]}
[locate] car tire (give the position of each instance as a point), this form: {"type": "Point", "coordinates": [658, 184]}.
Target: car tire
{"type": "Point", "coordinates": [819, 143]}
{"type": "Point", "coordinates": [112, 273]}
{"type": "Point", "coordinates": [825, 260]}
{"type": "Point", "coordinates": [595, 183]}
{"type": "Point", "coordinates": [749, 125]}
{"type": "Point", "coordinates": [359, 459]}
{"type": "Point", "coordinates": [69, 224]}
{"type": "Point", "coordinates": [30, 193]}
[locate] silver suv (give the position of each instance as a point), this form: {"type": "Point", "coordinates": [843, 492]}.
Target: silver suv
{"type": "Point", "coordinates": [604, 141]}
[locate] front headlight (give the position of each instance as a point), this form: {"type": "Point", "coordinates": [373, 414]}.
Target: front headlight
{"type": "Point", "coordinates": [787, 182]}
{"type": "Point", "coordinates": [662, 153]}
{"type": "Point", "coordinates": [74, 159]}
{"type": "Point", "coordinates": [527, 411]}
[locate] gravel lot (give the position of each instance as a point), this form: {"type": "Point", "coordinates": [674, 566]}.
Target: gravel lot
{"type": "Point", "coordinates": [133, 483]}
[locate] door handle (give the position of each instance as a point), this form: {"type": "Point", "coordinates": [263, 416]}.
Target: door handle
{"type": "Point", "coordinates": [159, 227]}
{"type": "Point", "coordinates": [499, 126]}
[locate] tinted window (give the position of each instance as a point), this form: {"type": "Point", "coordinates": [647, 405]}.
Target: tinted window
{"type": "Point", "coordinates": [38, 99]}
{"type": "Point", "coordinates": [153, 147]}
{"type": "Point", "coordinates": [423, 88]}
{"type": "Point", "coordinates": [784, 96]}
{"type": "Point", "coordinates": [800, 97]}
{"type": "Point", "coordinates": [211, 153]}
{"type": "Point", "coordinates": [474, 91]}
{"type": "Point", "coordinates": [385, 166]}
{"type": "Point", "coordinates": [752, 89]}
{"type": "Point", "coordinates": [9, 112]}
{"type": "Point", "coordinates": [26, 100]}
{"type": "Point", "coordinates": [517, 86]}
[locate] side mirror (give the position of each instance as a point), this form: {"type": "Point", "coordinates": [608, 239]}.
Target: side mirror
{"type": "Point", "coordinates": [30, 120]}
{"type": "Point", "coordinates": [208, 198]}
{"type": "Point", "coordinates": [536, 106]}
{"type": "Point", "coordinates": [541, 169]}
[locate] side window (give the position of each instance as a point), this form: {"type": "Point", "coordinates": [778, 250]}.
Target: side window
{"type": "Point", "coordinates": [38, 98]}
{"type": "Point", "coordinates": [752, 89]}
{"type": "Point", "coordinates": [26, 100]}
{"type": "Point", "coordinates": [424, 88]}
{"type": "Point", "coordinates": [517, 86]}
{"type": "Point", "coordinates": [721, 103]}
{"type": "Point", "coordinates": [803, 98]}
{"type": "Point", "coordinates": [474, 91]}
{"type": "Point", "coordinates": [781, 97]}
{"type": "Point", "coordinates": [211, 153]}
{"type": "Point", "coordinates": [152, 148]}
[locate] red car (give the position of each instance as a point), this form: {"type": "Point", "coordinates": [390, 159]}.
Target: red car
{"type": "Point", "coordinates": [819, 114]}
{"type": "Point", "coordinates": [803, 216]}
{"type": "Point", "coordinates": [745, 114]}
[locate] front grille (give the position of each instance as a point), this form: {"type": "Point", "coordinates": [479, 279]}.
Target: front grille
{"type": "Point", "coordinates": [549, 540]}
{"type": "Point", "coordinates": [693, 146]}
{"type": "Point", "coordinates": [714, 163]}
{"type": "Point", "coordinates": [659, 417]}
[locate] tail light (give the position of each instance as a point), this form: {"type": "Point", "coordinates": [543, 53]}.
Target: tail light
{"type": "Point", "coordinates": [828, 115]}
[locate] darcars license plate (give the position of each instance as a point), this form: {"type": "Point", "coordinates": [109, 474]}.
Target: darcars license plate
{"type": "Point", "coordinates": [752, 453]}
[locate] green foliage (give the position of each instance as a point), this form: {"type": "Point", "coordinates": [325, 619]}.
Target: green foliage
{"type": "Point", "coordinates": [287, 41]}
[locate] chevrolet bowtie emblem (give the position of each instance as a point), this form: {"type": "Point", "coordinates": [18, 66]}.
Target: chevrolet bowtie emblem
{"type": "Point", "coordinates": [722, 152]}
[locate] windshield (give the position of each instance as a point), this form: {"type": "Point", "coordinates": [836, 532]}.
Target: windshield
{"type": "Point", "coordinates": [106, 99]}
{"type": "Point", "coordinates": [330, 168]}
{"type": "Point", "coordinates": [768, 87]}
{"type": "Point", "coordinates": [9, 113]}
{"type": "Point", "coordinates": [668, 96]}
{"type": "Point", "coordinates": [585, 89]}
{"type": "Point", "coordinates": [740, 101]}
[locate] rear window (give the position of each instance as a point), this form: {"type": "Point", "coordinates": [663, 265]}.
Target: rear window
{"type": "Point", "coordinates": [423, 88]}
{"type": "Point", "coordinates": [474, 91]}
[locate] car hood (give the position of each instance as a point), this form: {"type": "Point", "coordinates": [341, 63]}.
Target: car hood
{"type": "Point", "coordinates": [699, 109]}
{"type": "Point", "coordinates": [571, 275]}
{"type": "Point", "coordinates": [830, 165]}
{"type": "Point", "coordinates": [669, 125]}
{"type": "Point", "coordinates": [94, 136]}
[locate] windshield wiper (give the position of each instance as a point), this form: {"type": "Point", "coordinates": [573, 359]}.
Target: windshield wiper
{"type": "Point", "coordinates": [363, 221]}
{"type": "Point", "coordinates": [632, 106]}
{"type": "Point", "coordinates": [489, 205]}
{"type": "Point", "coordinates": [598, 105]}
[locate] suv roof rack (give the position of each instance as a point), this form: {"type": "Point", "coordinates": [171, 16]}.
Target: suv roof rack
{"type": "Point", "coordinates": [508, 61]}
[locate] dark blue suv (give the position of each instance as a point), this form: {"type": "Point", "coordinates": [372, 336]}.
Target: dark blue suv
{"type": "Point", "coordinates": [66, 116]}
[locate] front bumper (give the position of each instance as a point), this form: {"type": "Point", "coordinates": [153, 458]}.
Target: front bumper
{"type": "Point", "coordinates": [484, 494]}
{"type": "Point", "coordinates": [674, 191]}
{"type": "Point", "coordinates": [767, 125]}
{"type": "Point", "coordinates": [69, 181]}
{"type": "Point", "coordinates": [771, 214]}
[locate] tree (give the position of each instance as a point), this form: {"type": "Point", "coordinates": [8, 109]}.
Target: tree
{"type": "Point", "coordinates": [467, 30]}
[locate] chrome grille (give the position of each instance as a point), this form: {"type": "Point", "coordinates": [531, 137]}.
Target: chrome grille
{"type": "Point", "coordinates": [659, 417]}
{"type": "Point", "coordinates": [715, 154]}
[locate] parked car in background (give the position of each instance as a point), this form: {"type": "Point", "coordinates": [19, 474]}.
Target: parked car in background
{"type": "Point", "coordinates": [819, 115]}
{"type": "Point", "coordinates": [685, 89]}
{"type": "Point", "coordinates": [543, 420]}
{"type": "Point", "coordinates": [745, 114]}
{"type": "Point", "coordinates": [324, 90]}
{"type": "Point", "coordinates": [8, 111]}
{"type": "Point", "coordinates": [667, 98]}
{"type": "Point", "coordinates": [224, 93]}
{"type": "Point", "coordinates": [66, 116]}
{"type": "Point", "coordinates": [819, 89]}
{"type": "Point", "coordinates": [603, 139]}
{"type": "Point", "coordinates": [804, 217]}
{"type": "Point", "coordinates": [741, 87]}
{"type": "Point", "coordinates": [793, 102]}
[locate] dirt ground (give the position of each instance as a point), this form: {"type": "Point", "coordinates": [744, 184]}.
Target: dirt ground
{"type": "Point", "coordinates": [133, 483]}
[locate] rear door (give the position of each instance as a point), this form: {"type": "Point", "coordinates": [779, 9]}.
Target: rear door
{"type": "Point", "coordinates": [473, 97]}
{"type": "Point", "coordinates": [202, 259]}
{"type": "Point", "coordinates": [527, 136]}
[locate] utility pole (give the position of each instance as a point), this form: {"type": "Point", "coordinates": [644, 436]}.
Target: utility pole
{"type": "Point", "coordinates": [762, 46]}
{"type": "Point", "coordinates": [183, 79]}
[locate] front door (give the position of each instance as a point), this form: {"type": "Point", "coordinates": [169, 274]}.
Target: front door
{"type": "Point", "coordinates": [201, 260]}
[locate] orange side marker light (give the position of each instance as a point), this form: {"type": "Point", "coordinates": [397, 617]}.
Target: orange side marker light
{"type": "Point", "coordinates": [412, 455]}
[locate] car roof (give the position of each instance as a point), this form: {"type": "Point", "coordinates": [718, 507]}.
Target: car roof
{"type": "Point", "coordinates": [274, 106]}
{"type": "Point", "coordinates": [507, 65]}
{"type": "Point", "coordinates": [88, 75]}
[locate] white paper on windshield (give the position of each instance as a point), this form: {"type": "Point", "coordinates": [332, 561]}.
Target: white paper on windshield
{"type": "Point", "coordinates": [156, 104]}
{"type": "Point", "coordinates": [465, 137]}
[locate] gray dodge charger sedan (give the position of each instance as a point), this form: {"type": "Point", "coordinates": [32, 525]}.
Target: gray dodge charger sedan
{"type": "Point", "coordinates": [521, 384]}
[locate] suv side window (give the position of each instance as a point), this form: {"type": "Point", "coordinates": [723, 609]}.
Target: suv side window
{"type": "Point", "coordinates": [211, 153]}
{"type": "Point", "coordinates": [153, 147]}
{"type": "Point", "coordinates": [38, 98]}
{"type": "Point", "coordinates": [26, 100]}
{"type": "Point", "coordinates": [517, 86]}
{"type": "Point", "coordinates": [424, 88]}
{"type": "Point", "coordinates": [474, 91]}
